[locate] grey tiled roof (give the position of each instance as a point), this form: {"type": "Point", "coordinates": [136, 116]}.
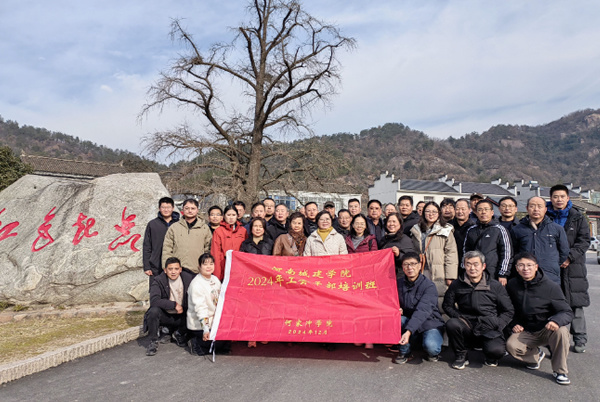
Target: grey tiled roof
{"type": "Point", "coordinates": [483, 188]}
{"type": "Point", "coordinates": [426, 185]}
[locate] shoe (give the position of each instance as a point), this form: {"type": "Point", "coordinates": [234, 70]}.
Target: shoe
{"type": "Point", "coordinates": [460, 364]}
{"type": "Point", "coordinates": [180, 339]}
{"type": "Point", "coordinates": [561, 379]}
{"type": "Point", "coordinates": [433, 359]}
{"type": "Point", "coordinates": [368, 346]}
{"type": "Point", "coordinates": [491, 363]}
{"type": "Point", "coordinates": [152, 348]}
{"type": "Point", "coordinates": [579, 348]}
{"type": "Point", "coordinates": [394, 348]}
{"type": "Point", "coordinates": [164, 338]}
{"type": "Point", "coordinates": [535, 366]}
{"type": "Point", "coordinates": [195, 349]}
{"type": "Point", "coordinates": [400, 359]}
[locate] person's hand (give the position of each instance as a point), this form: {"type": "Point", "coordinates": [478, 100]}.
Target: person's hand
{"type": "Point", "coordinates": [206, 336]}
{"type": "Point", "coordinates": [148, 272]}
{"type": "Point", "coordinates": [502, 281]}
{"type": "Point", "coordinates": [405, 338]}
{"type": "Point", "coordinates": [178, 308]}
{"type": "Point", "coordinates": [565, 264]}
{"type": "Point", "coordinates": [552, 326]}
{"type": "Point", "coordinates": [396, 251]}
{"type": "Point", "coordinates": [517, 328]}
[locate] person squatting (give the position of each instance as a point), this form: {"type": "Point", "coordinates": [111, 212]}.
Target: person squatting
{"type": "Point", "coordinates": [497, 285]}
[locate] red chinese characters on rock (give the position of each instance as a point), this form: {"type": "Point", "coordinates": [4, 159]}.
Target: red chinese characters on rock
{"type": "Point", "coordinates": [5, 232]}
{"type": "Point", "coordinates": [84, 225]}
{"type": "Point", "coordinates": [126, 224]}
{"type": "Point", "coordinates": [44, 232]}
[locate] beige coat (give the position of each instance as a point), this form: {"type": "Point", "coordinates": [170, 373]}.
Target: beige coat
{"type": "Point", "coordinates": [187, 244]}
{"type": "Point", "coordinates": [334, 244]}
{"type": "Point", "coordinates": [441, 254]}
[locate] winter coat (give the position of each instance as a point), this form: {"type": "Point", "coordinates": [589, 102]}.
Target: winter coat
{"type": "Point", "coordinates": [411, 220]}
{"type": "Point", "coordinates": [460, 233]}
{"type": "Point", "coordinates": [284, 246]}
{"type": "Point", "coordinates": [441, 254]}
{"type": "Point", "coordinates": [493, 240]}
{"type": "Point", "coordinates": [369, 243]}
{"type": "Point", "coordinates": [225, 238]}
{"type": "Point", "coordinates": [508, 225]}
{"type": "Point", "coordinates": [264, 247]}
{"type": "Point", "coordinates": [419, 303]}
{"type": "Point", "coordinates": [537, 301]}
{"type": "Point", "coordinates": [276, 229]}
{"type": "Point", "coordinates": [404, 244]}
{"type": "Point", "coordinates": [154, 237]}
{"type": "Point", "coordinates": [160, 292]}
{"type": "Point", "coordinates": [334, 244]}
{"type": "Point", "coordinates": [338, 228]}
{"type": "Point", "coordinates": [187, 244]}
{"type": "Point", "coordinates": [485, 305]}
{"type": "Point", "coordinates": [548, 243]}
{"type": "Point", "coordinates": [377, 230]}
{"type": "Point", "coordinates": [309, 227]}
{"type": "Point", "coordinates": [574, 278]}
{"type": "Point", "coordinates": [203, 295]}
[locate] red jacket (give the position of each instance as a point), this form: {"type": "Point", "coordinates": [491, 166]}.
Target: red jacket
{"type": "Point", "coordinates": [369, 243]}
{"type": "Point", "coordinates": [225, 238]}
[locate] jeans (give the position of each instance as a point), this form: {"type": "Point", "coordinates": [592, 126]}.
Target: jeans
{"type": "Point", "coordinates": [432, 340]}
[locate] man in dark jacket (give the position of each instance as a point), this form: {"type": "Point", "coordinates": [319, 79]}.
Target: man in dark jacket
{"type": "Point", "coordinates": [461, 223]}
{"type": "Point", "coordinates": [410, 217]}
{"type": "Point", "coordinates": [278, 225]}
{"type": "Point", "coordinates": [479, 308]}
{"type": "Point", "coordinates": [420, 315]}
{"type": "Point", "coordinates": [492, 239]}
{"type": "Point", "coordinates": [541, 317]}
{"type": "Point", "coordinates": [538, 235]}
{"type": "Point", "coordinates": [574, 275]}
{"type": "Point", "coordinates": [374, 220]}
{"type": "Point", "coordinates": [168, 304]}
{"type": "Point", "coordinates": [508, 210]}
{"type": "Point", "coordinates": [155, 236]}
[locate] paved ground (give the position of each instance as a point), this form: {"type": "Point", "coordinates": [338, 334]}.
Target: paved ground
{"type": "Point", "coordinates": [277, 372]}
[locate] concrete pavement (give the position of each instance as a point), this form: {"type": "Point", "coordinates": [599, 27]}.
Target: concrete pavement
{"type": "Point", "coordinates": [306, 372]}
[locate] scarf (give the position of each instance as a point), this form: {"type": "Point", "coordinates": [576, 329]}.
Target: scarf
{"type": "Point", "coordinates": [324, 233]}
{"type": "Point", "coordinates": [298, 238]}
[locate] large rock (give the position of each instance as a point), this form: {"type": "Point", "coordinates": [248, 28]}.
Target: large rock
{"type": "Point", "coordinates": [34, 269]}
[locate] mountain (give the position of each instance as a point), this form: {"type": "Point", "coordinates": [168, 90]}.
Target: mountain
{"type": "Point", "coordinates": [565, 150]}
{"type": "Point", "coordinates": [39, 141]}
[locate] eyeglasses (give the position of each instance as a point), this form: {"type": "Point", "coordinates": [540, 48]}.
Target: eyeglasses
{"type": "Point", "coordinates": [521, 266]}
{"type": "Point", "coordinates": [410, 264]}
{"type": "Point", "coordinates": [483, 209]}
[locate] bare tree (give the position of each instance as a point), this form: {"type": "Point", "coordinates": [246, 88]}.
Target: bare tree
{"type": "Point", "coordinates": [285, 64]}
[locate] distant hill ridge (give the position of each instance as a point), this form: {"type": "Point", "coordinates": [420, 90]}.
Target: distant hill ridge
{"type": "Point", "coordinates": [565, 150]}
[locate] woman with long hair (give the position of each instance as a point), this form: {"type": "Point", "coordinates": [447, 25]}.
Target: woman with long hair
{"type": "Point", "coordinates": [360, 239]}
{"type": "Point", "coordinates": [396, 240]}
{"type": "Point", "coordinates": [228, 236]}
{"type": "Point", "coordinates": [292, 243]}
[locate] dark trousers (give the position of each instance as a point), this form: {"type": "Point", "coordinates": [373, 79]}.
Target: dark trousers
{"type": "Point", "coordinates": [461, 337]}
{"type": "Point", "coordinates": [156, 316]}
{"type": "Point", "coordinates": [201, 347]}
{"type": "Point", "coordinates": [578, 327]}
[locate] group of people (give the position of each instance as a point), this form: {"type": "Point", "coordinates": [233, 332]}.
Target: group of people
{"type": "Point", "coordinates": [497, 284]}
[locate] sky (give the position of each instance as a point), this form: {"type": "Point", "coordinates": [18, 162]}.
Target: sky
{"type": "Point", "coordinates": [446, 68]}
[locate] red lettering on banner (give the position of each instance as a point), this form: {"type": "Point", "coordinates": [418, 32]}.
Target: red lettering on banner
{"type": "Point", "coordinates": [126, 224]}
{"type": "Point", "coordinates": [347, 298]}
{"type": "Point", "coordinates": [83, 228]}
{"type": "Point", "coordinates": [5, 232]}
{"type": "Point", "coordinates": [44, 232]}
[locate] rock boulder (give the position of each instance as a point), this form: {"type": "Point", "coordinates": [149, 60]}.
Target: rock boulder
{"type": "Point", "coordinates": [69, 241]}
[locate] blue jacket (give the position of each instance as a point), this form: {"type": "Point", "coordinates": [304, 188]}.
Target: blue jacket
{"type": "Point", "coordinates": [419, 303]}
{"type": "Point", "coordinates": [548, 243]}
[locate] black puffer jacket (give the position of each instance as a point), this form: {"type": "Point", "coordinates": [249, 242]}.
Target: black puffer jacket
{"type": "Point", "coordinates": [574, 278]}
{"type": "Point", "coordinates": [537, 302]}
{"type": "Point", "coordinates": [410, 221]}
{"type": "Point", "coordinates": [276, 229]}
{"type": "Point", "coordinates": [493, 240]}
{"type": "Point", "coordinates": [404, 244]}
{"type": "Point", "coordinates": [154, 238]}
{"type": "Point", "coordinates": [485, 305]}
{"type": "Point", "coordinates": [264, 247]}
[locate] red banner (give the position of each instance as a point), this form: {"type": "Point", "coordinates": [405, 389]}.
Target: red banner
{"type": "Point", "coordinates": [336, 299]}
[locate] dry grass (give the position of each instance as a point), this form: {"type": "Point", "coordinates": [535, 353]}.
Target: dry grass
{"type": "Point", "coordinates": [28, 338]}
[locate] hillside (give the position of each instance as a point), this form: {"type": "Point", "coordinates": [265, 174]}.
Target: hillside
{"type": "Point", "coordinates": [565, 150]}
{"type": "Point", "coordinates": [42, 142]}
